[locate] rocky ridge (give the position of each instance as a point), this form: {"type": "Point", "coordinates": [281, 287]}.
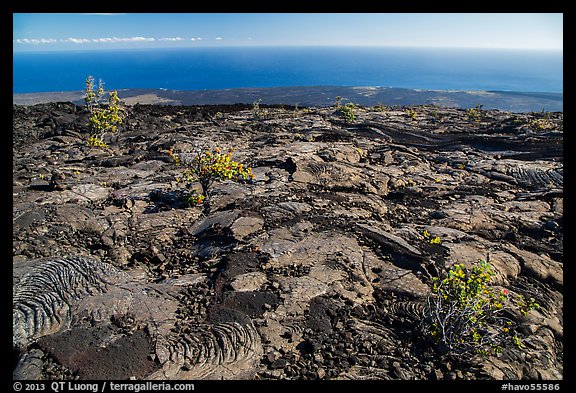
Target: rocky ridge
{"type": "Point", "coordinates": [317, 269]}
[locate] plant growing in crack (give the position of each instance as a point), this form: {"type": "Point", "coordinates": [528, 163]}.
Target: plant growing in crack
{"type": "Point", "coordinates": [464, 316]}
{"type": "Point", "coordinates": [475, 113]}
{"type": "Point", "coordinates": [430, 239]}
{"type": "Point", "coordinates": [347, 112]}
{"type": "Point", "coordinates": [102, 119]}
{"type": "Point", "coordinates": [542, 124]}
{"type": "Point", "coordinates": [411, 113]}
{"type": "Point", "coordinates": [206, 166]}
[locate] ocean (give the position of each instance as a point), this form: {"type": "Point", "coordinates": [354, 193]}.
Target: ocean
{"type": "Point", "coordinates": [235, 67]}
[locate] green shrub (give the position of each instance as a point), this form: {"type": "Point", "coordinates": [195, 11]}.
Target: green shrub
{"type": "Point", "coordinates": [102, 119]}
{"type": "Point", "coordinates": [96, 142]}
{"type": "Point", "coordinates": [347, 112]}
{"type": "Point", "coordinates": [465, 316]}
{"type": "Point", "coordinates": [541, 124]}
{"type": "Point", "coordinates": [411, 113]}
{"type": "Point", "coordinates": [430, 239]}
{"type": "Point", "coordinates": [207, 166]}
{"type": "Point", "coordinates": [194, 199]}
{"type": "Point", "coordinates": [475, 113]}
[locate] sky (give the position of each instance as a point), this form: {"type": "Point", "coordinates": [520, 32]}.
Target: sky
{"type": "Point", "coordinates": [74, 31]}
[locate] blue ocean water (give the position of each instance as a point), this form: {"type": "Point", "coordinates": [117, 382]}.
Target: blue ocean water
{"type": "Point", "coordinates": [234, 67]}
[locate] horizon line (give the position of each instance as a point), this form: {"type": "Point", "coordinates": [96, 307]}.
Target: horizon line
{"type": "Point", "coordinates": [84, 49]}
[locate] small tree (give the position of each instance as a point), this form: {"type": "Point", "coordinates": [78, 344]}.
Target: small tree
{"type": "Point", "coordinates": [256, 110]}
{"type": "Point", "coordinates": [207, 166]}
{"type": "Point", "coordinates": [347, 112]}
{"type": "Point", "coordinates": [465, 316]}
{"type": "Point", "coordinates": [102, 119]}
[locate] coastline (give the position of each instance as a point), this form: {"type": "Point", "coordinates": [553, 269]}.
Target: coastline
{"type": "Point", "coordinates": [321, 96]}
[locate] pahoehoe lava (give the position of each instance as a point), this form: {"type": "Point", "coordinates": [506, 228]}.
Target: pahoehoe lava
{"type": "Point", "coordinates": [316, 269]}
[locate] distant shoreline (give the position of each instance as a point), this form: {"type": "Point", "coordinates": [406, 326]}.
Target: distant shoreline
{"type": "Point", "coordinates": [321, 96]}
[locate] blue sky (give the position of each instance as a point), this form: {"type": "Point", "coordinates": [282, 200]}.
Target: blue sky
{"type": "Point", "coordinates": [60, 31]}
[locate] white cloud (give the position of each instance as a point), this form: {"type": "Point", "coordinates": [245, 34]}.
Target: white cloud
{"type": "Point", "coordinates": [133, 39]}
{"type": "Point", "coordinates": [143, 39]}
{"type": "Point", "coordinates": [218, 38]}
{"type": "Point", "coordinates": [100, 40]}
{"type": "Point", "coordinates": [103, 40]}
{"type": "Point", "coordinates": [76, 40]}
{"type": "Point", "coordinates": [35, 41]}
{"type": "Point", "coordinates": [121, 39]}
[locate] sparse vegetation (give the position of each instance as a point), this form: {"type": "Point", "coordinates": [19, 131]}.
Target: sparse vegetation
{"type": "Point", "coordinates": [96, 141]}
{"type": "Point", "coordinates": [435, 115]}
{"type": "Point", "coordinates": [411, 113]}
{"type": "Point", "coordinates": [342, 214]}
{"type": "Point", "coordinates": [205, 166]}
{"type": "Point", "coordinates": [256, 110]}
{"type": "Point", "coordinates": [539, 120]}
{"type": "Point", "coordinates": [475, 113]}
{"type": "Point", "coordinates": [542, 124]}
{"type": "Point", "coordinates": [347, 112]}
{"type": "Point", "coordinates": [430, 239]}
{"type": "Point", "coordinates": [103, 119]}
{"type": "Point", "coordinates": [295, 112]}
{"type": "Point", "coordinates": [467, 317]}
